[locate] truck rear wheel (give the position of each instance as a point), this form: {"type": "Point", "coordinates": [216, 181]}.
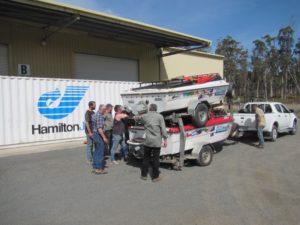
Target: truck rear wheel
{"type": "Point", "coordinates": [274, 133]}
{"type": "Point", "coordinates": [294, 128]}
{"type": "Point", "coordinates": [205, 156]}
{"type": "Point", "coordinates": [201, 115]}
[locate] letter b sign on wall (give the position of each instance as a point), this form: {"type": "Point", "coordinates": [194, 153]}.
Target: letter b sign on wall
{"type": "Point", "coordinates": [23, 69]}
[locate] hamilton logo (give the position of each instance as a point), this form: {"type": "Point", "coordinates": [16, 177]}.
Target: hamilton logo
{"type": "Point", "coordinates": [59, 104]}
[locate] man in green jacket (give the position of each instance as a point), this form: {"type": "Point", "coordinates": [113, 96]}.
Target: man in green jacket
{"type": "Point", "coordinates": [155, 129]}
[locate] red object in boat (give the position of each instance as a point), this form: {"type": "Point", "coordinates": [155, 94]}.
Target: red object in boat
{"type": "Point", "coordinates": [219, 120]}
{"type": "Point", "coordinates": [204, 79]}
{"type": "Point", "coordinates": [210, 122]}
{"type": "Point", "coordinates": [186, 128]}
{"type": "Point", "coordinates": [201, 79]}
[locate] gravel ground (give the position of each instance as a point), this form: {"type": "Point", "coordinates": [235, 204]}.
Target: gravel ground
{"type": "Point", "coordinates": [243, 185]}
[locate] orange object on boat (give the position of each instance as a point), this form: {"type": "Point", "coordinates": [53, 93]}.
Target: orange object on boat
{"type": "Point", "coordinates": [201, 79]}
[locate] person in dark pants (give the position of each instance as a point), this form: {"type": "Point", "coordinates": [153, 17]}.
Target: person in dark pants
{"type": "Point", "coordinates": [155, 129]}
{"type": "Point", "coordinates": [89, 131]}
{"type": "Point", "coordinates": [119, 135]}
{"type": "Point", "coordinates": [99, 139]}
{"type": "Point", "coordinates": [108, 126]}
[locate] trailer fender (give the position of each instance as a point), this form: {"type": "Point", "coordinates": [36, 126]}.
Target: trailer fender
{"type": "Point", "coordinates": [196, 149]}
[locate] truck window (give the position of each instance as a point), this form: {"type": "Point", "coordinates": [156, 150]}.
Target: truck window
{"type": "Point", "coordinates": [278, 108]}
{"type": "Point", "coordinates": [262, 107]}
{"type": "Point", "coordinates": [247, 108]}
{"type": "Point", "coordinates": [285, 110]}
{"type": "Point", "coordinates": [268, 108]}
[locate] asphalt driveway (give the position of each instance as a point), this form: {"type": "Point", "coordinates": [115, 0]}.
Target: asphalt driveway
{"type": "Point", "coordinates": [243, 185]}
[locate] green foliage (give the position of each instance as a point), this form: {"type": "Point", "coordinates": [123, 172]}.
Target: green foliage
{"type": "Point", "coordinates": [272, 70]}
{"type": "Point", "coordinates": [235, 61]}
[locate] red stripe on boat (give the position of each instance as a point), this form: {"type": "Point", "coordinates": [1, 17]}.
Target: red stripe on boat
{"type": "Point", "coordinates": [211, 122]}
{"type": "Point", "coordinates": [219, 120]}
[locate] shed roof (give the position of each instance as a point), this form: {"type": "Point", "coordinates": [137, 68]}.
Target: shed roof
{"type": "Point", "coordinates": [53, 13]}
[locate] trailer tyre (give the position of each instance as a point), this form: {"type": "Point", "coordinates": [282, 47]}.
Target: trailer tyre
{"type": "Point", "coordinates": [201, 115]}
{"type": "Point", "coordinates": [205, 156]}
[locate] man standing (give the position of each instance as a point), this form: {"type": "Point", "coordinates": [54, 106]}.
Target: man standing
{"type": "Point", "coordinates": [155, 131]}
{"type": "Point", "coordinates": [119, 134]}
{"type": "Point", "coordinates": [89, 131]}
{"type": "Point", "coordinates": [99, 139]}
{"type": "Point", "coordinates": [260, 124]}
{"type": "Point", "coordinates": [108, 126]}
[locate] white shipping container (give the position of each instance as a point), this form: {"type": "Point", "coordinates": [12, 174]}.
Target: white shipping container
{"type": "Point", "coordinates": [46, 109]}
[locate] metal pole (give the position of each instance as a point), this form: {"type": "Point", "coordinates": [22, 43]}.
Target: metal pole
{"type": "Point", "coordinates": [182, 143]}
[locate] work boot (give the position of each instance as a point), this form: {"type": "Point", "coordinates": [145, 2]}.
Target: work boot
{"type": "Point", "coordinates": [143, 178]}
{"type": "Point", "coordinates": [99, 171]}
{"type": "Point", "coordinates": [260, 146]}
{"type": "Point", "coordinates": [157, 179]}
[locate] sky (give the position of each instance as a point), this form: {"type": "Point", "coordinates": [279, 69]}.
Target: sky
{"type": "Point", "coordinates": [244, 20]}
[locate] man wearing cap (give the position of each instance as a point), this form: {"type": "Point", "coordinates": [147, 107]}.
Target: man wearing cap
{"type": "Point", "coordinates": [108, 126]}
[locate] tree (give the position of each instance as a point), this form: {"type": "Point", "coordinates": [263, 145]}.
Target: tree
{"type": "Point", "coordinates": [232, 52]}
{"type": "Point", "coordinates": [274, 69]}
{"type": "Point", "coordinates": [272, 61]}
{"type": "Point", "coordinates": [285, 41]}
{"type": "Point", "coordinates": [258, 60]}
{"type": "Point", "coordinates": [296, 61]}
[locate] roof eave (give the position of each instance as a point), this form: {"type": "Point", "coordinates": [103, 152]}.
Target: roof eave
{"type": "Point", "coordinates": [114, 19]}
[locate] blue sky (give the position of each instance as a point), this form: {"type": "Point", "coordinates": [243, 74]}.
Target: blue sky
{"type": "Point", "coordinates": [212, 19]}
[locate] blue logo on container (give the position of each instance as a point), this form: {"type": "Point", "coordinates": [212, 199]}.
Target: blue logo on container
{"type": "Point", "coordinates": [56, 105]}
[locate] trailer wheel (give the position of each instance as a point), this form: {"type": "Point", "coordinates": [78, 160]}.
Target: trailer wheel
{"type": "Point", "coordinates": [205, 156]}
{"type": "Point", "coordinates": [201, 115]}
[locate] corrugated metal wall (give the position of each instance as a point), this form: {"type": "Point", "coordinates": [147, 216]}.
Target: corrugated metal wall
{"type": "Point", "coordinates": [29, 107]}
{"type": "Point", "coordinates": [56, 58]}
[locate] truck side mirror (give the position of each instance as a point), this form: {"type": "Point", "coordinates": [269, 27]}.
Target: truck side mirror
{"type": "Point", "coordinates": [292, 110]}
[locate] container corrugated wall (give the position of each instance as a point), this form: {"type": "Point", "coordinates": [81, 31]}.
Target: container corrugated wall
{"type": "Point", "coordinates": [42, 109]}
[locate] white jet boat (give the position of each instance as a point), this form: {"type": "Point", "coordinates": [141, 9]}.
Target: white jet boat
{"type": "Point", "coordinates": [177, 94]}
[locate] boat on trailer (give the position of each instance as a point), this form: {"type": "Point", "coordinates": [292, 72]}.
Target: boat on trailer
{"type": "Point", "coordinates": [183, 94]}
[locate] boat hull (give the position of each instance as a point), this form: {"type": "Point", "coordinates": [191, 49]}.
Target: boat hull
{"type": "Point", "coordinates": [176, 98]}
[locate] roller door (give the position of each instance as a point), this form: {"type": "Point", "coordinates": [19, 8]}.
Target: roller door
{"type": "Point", "coordinates": [96, 67]}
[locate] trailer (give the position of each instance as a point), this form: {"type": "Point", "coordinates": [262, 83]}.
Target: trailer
{"type": "Point", "coordinates": [186, 141]}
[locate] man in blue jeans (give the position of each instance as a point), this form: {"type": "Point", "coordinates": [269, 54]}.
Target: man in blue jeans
{"type": "Point", "coordinates": [260, 124]}
{"type": "Point", "coordinates": [119, 134]}
{"type": "Point", "coordinates": [99, 140]}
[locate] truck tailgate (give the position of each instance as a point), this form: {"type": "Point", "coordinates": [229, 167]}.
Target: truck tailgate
{"type": "Point", "coordinates": [246, 121]}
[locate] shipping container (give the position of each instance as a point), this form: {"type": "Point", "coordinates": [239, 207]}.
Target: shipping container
{"type": "Point", "coordinates": [46, 109]}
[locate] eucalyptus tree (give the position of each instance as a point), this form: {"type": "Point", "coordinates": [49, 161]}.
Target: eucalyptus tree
{"type": "Point", "coordinates": [232, 52]}
{"type": "Point", "coordinates": [285, 42]}
{"type": "Point", "coordinates": [272, 61]}
{"type": "Point", "coordinates": [259, 66]}
{"type": "Point", "coordinates": [297, 65]}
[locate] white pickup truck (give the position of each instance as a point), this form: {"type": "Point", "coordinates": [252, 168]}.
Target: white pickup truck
{"type": "Point", "coordinates": [279, 119]}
